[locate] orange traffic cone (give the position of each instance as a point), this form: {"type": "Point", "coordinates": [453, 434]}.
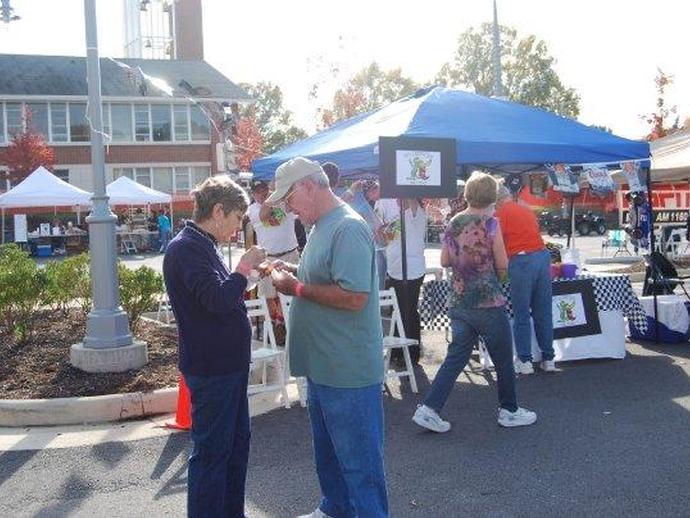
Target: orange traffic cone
{"type": "Point", "coordinates": [183, 417]}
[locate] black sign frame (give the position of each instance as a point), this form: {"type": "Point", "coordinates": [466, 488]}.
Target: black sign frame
{"type": "Point", "coordinates": [585, 288]}
{"type": "Point", "coordinates": [388, 148]}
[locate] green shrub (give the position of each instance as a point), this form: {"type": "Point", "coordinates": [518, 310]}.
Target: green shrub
{"type": "Point", "coordinates": [139, 290]}
{"type": "Point", "coordinates": [69, 281]}
{"type": "Point", "coordinates": [21, 290]}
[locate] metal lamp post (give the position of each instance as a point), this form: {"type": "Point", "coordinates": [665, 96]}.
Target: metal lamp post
{"type": "Point", "coordinates": [108, 345]}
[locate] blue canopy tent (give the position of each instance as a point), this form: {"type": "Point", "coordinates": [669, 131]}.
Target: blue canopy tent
{"type": "Point", "coordinates": [491, 134]}
{"type": "Point", "coordinates": [497, 135]}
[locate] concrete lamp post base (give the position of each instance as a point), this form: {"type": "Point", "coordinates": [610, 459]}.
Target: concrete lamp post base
{"type": "Point", "coordinates": [111, 359]}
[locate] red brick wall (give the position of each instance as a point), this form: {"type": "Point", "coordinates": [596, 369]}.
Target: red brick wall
{"type": "Point", "coordinates": [137, 154]}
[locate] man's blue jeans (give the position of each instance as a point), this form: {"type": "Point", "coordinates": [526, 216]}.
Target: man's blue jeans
{"type": "Point", "coordinates": [530, 292]}
{"type": "Point", "coordinates": [347, 431]}
{"type": "Point", "coordinates": [165, 239]}
{"type": "Point", "coordinates": [220, 433]}
{"type": "Point", "coordinates": [468, 325]}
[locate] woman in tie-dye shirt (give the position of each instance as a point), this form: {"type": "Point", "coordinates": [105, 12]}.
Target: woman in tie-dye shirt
{"type": "Point", "coordinates": [473, 248]}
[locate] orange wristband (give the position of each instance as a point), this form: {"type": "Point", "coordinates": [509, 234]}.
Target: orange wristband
{"type": "Point", "coordinates": [299, 289]}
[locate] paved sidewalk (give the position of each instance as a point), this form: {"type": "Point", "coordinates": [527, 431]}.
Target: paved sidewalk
{"type": "Point", "coordinates": [611, 440]}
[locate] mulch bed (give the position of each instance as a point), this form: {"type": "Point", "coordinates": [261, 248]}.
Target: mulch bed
{"type": "Point", "coordinates": [40, 367]}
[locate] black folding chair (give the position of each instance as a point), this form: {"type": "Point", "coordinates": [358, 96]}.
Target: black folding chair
{"type": "Point", "coordinates": [661, 277]}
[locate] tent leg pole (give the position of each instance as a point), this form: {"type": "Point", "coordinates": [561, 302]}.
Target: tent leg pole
{"type": "Point", "coordinates": [3, 226]}
{"type": "Point", "coordinates": [652, 261]}
{"type": "Point", "coordinates": [571, 234]}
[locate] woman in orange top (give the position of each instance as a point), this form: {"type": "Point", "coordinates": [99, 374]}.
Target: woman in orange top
{"type": "Point", "coordinates": [530, 282]}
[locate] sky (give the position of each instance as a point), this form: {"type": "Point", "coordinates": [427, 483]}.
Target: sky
{"type": "Point", "coordinates": [608, 50]}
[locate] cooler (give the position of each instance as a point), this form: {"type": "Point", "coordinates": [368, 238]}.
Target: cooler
{"type": "Point", "coordinates": [44, 250]}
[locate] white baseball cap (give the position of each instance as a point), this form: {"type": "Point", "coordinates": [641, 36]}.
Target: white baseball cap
{"type": "Point", "coordinates": [289, 173]}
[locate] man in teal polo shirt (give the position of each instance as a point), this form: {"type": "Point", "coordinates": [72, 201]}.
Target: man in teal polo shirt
{"type": "Point", "coordinates": [335, 341]}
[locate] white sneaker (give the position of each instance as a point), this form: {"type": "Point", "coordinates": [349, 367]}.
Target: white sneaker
{"type": "Point", "coordinates": [428, 418]}
{"type": "Point", "coordinates": [318, 513]}
{"type": "Point", "coordinates": [521, 417]}
{"type": "Point", "coordinates": [523, 367]}
{"type": "Point", "coordinates": [548, 366]}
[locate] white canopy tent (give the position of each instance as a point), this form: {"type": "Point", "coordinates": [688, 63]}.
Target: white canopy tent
{"type": "Point", "coordinates": [125, 191]}
{"type": "Point", "coordinates": [671, 157]}
{"type": "Point", "coordinates": [43, 189]}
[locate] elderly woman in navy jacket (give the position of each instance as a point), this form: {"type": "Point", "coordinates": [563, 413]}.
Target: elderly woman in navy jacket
{"type": "Point", "coordinates": [214, 346]}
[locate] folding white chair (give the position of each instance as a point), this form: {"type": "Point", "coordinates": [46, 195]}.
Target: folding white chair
{"type": "Point", "coordinates": [164, 313]}
{"type": "Point", "coordinates": [127, 245]}
{"type": "Point", "coordinates": [676, 241]}
{"type": "Point", "coordinates": [285, 301]}
{"type": "Point", "coordinates": [387, 299]}
{"type": "Point", "coordinates": [266, 351]}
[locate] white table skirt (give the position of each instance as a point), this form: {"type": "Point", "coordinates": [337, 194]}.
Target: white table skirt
{"type": "Point", "coordinates": [609, 344]}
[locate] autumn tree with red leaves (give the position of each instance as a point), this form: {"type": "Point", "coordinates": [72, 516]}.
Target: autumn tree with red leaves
{"type": "Point", "coordinates": [658, 120]}
{"type": "Point", "coordinates": [26, 152]}
{"type": "Point", "coordinates": [248, 142]}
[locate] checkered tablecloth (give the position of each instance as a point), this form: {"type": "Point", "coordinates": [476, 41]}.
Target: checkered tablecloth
{"type": "Point", "coordinates": [612, 293]}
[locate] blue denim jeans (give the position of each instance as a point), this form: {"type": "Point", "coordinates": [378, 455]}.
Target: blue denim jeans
{"type": "Point", "coordinates": [468, 325]}
{"type": "Point", "coordinates": [165, 239]}
{"type": "Point", "coordinates": [530, 292]}
{"type": "Point", "coordinates": [347, 430]}
{"type": "Point", "coordinates": [220, 433]}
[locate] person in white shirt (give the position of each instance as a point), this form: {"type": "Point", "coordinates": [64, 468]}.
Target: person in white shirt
{"type": "Point", "coordinates": [388, 211]}
{"type": "Point", "coordinates": [275, 233]}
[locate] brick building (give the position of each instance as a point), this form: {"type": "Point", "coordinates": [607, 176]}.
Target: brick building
{"type": "Point", "coordinates": [163, 118]}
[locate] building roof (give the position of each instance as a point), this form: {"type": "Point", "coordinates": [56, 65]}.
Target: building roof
{"type": "Point", "coordinates": [120, 77]}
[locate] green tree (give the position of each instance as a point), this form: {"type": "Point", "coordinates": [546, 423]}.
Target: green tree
{"type": "Point", "coordinates": [274, 120]}
{"type": "Point", "coordinates": [368, 89]}
{"type": "Point", "coordinates": [602, 128]}
{"type": "Point", "coordinates": [528, 76]}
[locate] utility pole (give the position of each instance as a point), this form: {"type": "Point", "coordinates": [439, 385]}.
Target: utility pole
{"type": "Point", "coordinates": [498, 89]}
{"type": "Point", "coordinates": [108, 345]}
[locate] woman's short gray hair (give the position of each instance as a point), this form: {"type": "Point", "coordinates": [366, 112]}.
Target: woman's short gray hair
{"type": "Point", "coordinates": [480, 190]}
{"type": "Point", "coordinates": [503, 192]}
{"type": "Point", "coordinates": [218, 189]}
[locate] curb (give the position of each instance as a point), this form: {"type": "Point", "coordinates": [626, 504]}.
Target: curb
{"type": "Point", "coordinates": [79, 410]}
{"type": "Point", "coordinates": [115, 407]}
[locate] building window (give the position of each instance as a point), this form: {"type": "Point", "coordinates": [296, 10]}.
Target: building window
{"type": "Point", "coordinates": [105, 116]}
{"type": "Point", "coordinates": [142, 175]}
{"type": "Point", "coordinates": [58, 122]}
{"type": "Point", "coordinates": [121, 118]}
{"type": "Point", "coordinates": [123, 171]}
{"type": "Point", "coordinates": [62, 174]}
{"type": "Point", "coordinates": [15, 119]}
{"type": "Point", "coordinates": [161, 122]}
{"type": "Point", "coordinates": [163, 179]}
{"type": "Point", "coordinates": [181, 117]}
{"type": "Point", "coordinates": [182, 181]}
{"type": "Point", "coordinates": [38, 113]}
{"type": "Point", "coordinates": [2, 129]}
{"type": "Point", "coordinates": [78, 125]}
{"type": "Point", "coordinates": [201, 129]}
{"type": "Point", "coordinates": [142, 125]}
{"type": "Point", "coordinates": [199, 174]}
